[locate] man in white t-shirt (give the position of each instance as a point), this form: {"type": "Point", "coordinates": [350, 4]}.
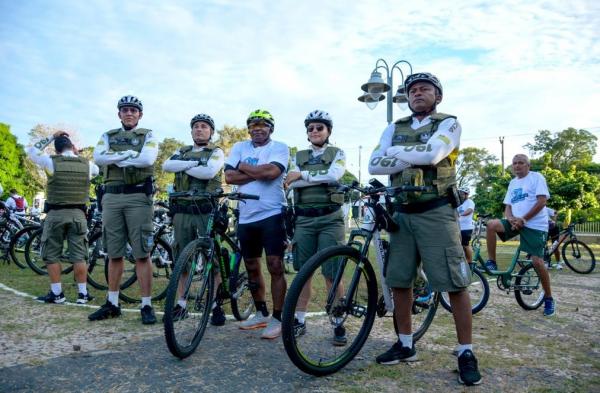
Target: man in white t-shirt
{"type": "Point", "coordinates": [465, 221]}
{"type": "Point", "coordinates": [16, 203]}
{"type": "Point", "coordinates": [258, 166]}
{"type": "Point", "coordinates": [527, 217]}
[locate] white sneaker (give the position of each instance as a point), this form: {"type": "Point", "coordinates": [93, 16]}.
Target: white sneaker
{"type": "Point", "coordinates": [273, 329]}
{"type": "Point", "coordinates": [256, 322]}
{"type": "Point", "coordinates": [558, 266]}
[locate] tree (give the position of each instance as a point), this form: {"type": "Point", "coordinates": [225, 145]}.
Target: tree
{"type": "Point", "coordinates": [230, 135]}
{"type": "Point", "coordinates": [566, 148]}
{"type": "Point", "coordinates": [348, 178]}
{"type": "Point", "coordinates": [44, 130]}
{"type": "Point", "coordinates": [490, 190]}
{"type": "Point", "coordinates": [11, 154]}
{"type": "Point", "coordinates": [166, 149]}
{"type": "Point", "coordinates": [470, 164]}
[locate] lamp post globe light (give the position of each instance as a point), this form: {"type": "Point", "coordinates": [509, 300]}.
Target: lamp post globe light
{"type": "Point", "coordinates": [376, 87]}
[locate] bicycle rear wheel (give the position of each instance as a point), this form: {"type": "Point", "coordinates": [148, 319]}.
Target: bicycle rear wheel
{"type": "Point", "coordinates": [479, 292]}
{"type": "Point", "coordinates": [16, 247]}
{"type": "Point", "coordinates": [578, 256]}
{"type": "Point", "coordinates": [528, 289]}
{"type": "Point", "coordinates": [330, 311]}
{"type": "Point", "coordinates": [192, 282]}
{"type": "Point", "coordinates": [97, 259]}
{"type": "Point", "coordinates": [33, 257]}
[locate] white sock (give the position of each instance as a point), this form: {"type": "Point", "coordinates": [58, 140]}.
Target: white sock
{"type": "Point", "coordinates": [56, 288]}
{"type": "Point", "coordinates": [82, 288]}
{"type": "Point", "coordinates": [214, 305]}
{"type": "Point", "coordinates": [460, 348]}
{"type": "Point", "coordinates": [406, 340]}
{"type": "Point", "coordinates": [146, 301]}
{"type": "Point", "coordinates": [182, 303]}
{"type": "Point", "coordinates": [301, 316]}
{"type": "Point", "coordinates": [113, 297]}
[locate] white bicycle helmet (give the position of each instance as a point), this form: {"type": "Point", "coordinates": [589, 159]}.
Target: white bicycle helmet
{"type": "Point", "coordinates": [130, 101]}
{"type": "Point", "coordinates": [319, 116]}
{"type": "Point", "coordinates": [465, 190]}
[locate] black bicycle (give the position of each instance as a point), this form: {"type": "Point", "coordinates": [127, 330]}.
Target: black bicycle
{"type": "Point", "coordinates": [193, 279]}
{"type": "Point", "coordinates": [577, 255]}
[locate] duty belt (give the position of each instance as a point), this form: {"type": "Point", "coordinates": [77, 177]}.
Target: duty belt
{"type": "Point", "coordinates": [144, 188]}
{"type": "Point", "coordinates": [316, 211]}
{"type": "Point", "coordinates": [414, 208]}
{"type": "Point", "coordinates": [50, 206]}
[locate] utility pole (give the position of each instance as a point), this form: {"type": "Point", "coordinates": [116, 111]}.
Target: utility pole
{"type": "Point", "coordinates": [359, 164]}
{"type": "Point", "coordinates": [501, 139]}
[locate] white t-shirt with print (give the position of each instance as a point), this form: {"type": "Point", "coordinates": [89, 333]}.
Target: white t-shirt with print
{"type": "Point", "coordinates": [522, 196]}
{"type": "Point", "coordinates": [272, 196]}
{"type": "Point", "coordinates": [466, 222]}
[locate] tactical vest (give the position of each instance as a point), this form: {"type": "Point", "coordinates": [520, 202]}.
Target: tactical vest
{"type": "Point", "coordinates": [320, 194]}
{"type": "Point", "coordinates": [441, 176]}
{"type": "Point", "coordinates": [185, 182]}
{"type": "Point", "coordinates": [121, 140]}
{"type": "Point", "coordinates": [70, 183]}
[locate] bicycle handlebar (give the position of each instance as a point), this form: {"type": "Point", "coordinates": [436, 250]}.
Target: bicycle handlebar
{"type": "Point", "coordinates": [213, 195]}
{"type": "Point", "coordinates": [383, 189]}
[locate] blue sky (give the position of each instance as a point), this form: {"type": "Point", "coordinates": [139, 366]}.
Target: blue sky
{"type": "Point", "coordinates": [508, 68]}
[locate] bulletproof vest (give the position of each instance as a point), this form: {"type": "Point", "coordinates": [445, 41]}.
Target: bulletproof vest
{"type": "Point", "coordinates": [121, 140]}
{"type": "Point", "coordinates": [441, 176]}
{"type": "Point", "coordinates": [185, 182]}
{"type": "Point", "coordinates": [319, 194]}
{"type": "Point", "coordinates": [70, 183]}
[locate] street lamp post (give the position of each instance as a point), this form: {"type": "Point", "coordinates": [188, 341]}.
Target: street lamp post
{"type": "Point", "coordinates": [376, 86]}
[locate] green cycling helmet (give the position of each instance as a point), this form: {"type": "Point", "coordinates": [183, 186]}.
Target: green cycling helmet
{"type": "Point", "coordinates": [261, 114]}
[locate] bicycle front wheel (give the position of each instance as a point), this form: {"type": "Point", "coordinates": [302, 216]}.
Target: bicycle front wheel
{"type": "Point", "coordinates": [188, 301]}
{"type": "Point", "coordinates": [17, 243]}
{"type": "Point", "coordinates": [33, 254]}
{"type": "Point", "coordinates": [242, 303]}
{"type": "Point", "coordinates": [528, 289]}
{"type": "Point", "coordinates": [578, 256]}
{"type": "Point", "coordinates": [479, 292]}
{"type": "Point", "coordinates": [97, 259]}
{"type": "Point", "coordinates": [340, 313]}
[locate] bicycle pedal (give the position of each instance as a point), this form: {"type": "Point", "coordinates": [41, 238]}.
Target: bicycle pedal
{"type": "Point", "coordinates": [358, 310]}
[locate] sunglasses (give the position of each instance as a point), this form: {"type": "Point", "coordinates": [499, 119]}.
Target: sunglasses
{"type": "Point", "coordinates": [315, 128]}
{"type": "Point", "coordinates": [129, 109]}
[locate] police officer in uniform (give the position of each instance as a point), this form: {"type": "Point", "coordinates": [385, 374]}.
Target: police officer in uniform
{"type": "Point", "coordinates": [67, 196]}
{"type": "Point", "coordinates": [197, 167]}
{"type": "Point", "coordinates": [421, 150]}
{"type": "Point", "coordinates": [127, 156]}
{"type": "Point", "coordinates": [317, 206]}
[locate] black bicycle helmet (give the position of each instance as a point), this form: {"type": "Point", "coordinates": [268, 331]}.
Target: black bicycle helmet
{"type": "Point", "coordinates": [203, 117]}
{"type": "Point", "coordinates": [422, 77]}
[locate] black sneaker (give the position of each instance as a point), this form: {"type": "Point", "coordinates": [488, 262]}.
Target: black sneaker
{"type": "Point", "coordinates": [52, 298]}
{"type": "Point", "coordinates": [148, 317]}
{"type": "Point", "coordinates": [468, 373]}
{"type": "Point", "coordinates": [491, 265]}
{"type": "Point", "coordinates": [396, 354]}
{"type": "Point", "coordinates": [178, 313]}
{"type": "Point", "coordinates": [107, 310]}
{"type": "Point", "coordinates": [339, 336]}
{"type": "Point", "coordinates": [299, 328]}
{"type": "Point", "coordinates": [218, 317]}
{"type": "Point", "coordinates": [83, 299]}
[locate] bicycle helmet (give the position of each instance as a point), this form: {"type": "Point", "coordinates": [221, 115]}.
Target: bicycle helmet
{"type": "Point", "coordinates": [130, 101]}
{"type": "Point", "coordinates": [422, 77]}
{"type": "Point", "coordinates": [319, 116]}
{"type": "Point", "coordinates": [465, 190]}
{"type": "Point", "coordinates": [203, 117]}
{"type": "Point", "coordinates": [261, 114]}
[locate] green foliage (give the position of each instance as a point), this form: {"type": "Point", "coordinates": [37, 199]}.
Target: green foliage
{"type": "Point", "coordinates": [348, 178]}
{"type": "Point", "coordinates": [490, 190]}
{"type": "Point", "coordinates": [166, 149]}
{"type": "Point", "coordinates": [470, 164]}
{"type": "Point", "coordinates": [11, 157]}
{"type": "Point", "coordinates": [229, 135]}
{"type": "Point", "coordinates": [566, 148]}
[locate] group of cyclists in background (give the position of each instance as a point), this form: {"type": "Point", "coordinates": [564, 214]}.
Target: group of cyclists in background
{"type": "Point", "coordinates": [420, 150]}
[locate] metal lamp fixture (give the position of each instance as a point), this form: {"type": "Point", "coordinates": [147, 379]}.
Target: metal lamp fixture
{"type": "Point", "coordinates": [371, 100]}
{"type": "Point", "coordinates": [400, 98]}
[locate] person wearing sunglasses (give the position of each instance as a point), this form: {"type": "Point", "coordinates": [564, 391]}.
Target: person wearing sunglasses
{"type": "Point", "coordinates": [127, 155]}
{"type": "Point", "coordinates": [317, 205]}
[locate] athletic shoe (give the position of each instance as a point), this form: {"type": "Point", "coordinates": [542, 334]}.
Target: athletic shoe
{"type": "Point", "coordinates": [549, 308]}
{"type": "Point", "coordinates": [491, 265]}
{"type": "Point", "coordinates": [52, 298]}
{"type": "Point", "coordinates": [256, 322]}
{"type": "Point", "coordinates": [273, 329]}
{"type": "Point", "coordinates": [299, 328]}
{"type": "Point", "coordinates": [83, 299]}
{"type": "Point", "coordinates": [218, 317]}
{"type": "Point", "coordinates": [558, 266]}
{"type": "Point", "coordinates": [396, 354]}
{"type": "Point", "coordinates": [178, 313]}
{"type": "Point", "coordinates": [148, 317]}
{"type": "Point", "coordinates": [107, 310]}
{"type": "Point", "coordinates": [339, 336]}
{"type": "Point", "coordinates": [468, 373]}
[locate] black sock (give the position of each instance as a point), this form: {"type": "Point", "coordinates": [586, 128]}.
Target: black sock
{"type": "Point", "coordinates": [262, 307]}
{"type": "Point", "coordinates": [277, 315]}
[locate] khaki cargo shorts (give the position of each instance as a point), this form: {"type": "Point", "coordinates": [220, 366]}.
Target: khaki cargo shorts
{"type": "Point", "coordinates": [432, 239]}
{"type": "Point", "coordinates": [127, 218]}
{"type": "Point", "coordinates": [61, 225]}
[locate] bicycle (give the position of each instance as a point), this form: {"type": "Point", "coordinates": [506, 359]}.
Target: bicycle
{"type": "Point", "coordinates": [193, 278]}
{"type": "Point", "coordinates": [526, 284]}
{"type": "Point", "coordinates": [577, 255]}
{"type": "Point", "coordinates": [16, 246]}
{"type": "Point", "coordinates": [479, 289]}
{"type": "Point", "coordinates": [352, 308]}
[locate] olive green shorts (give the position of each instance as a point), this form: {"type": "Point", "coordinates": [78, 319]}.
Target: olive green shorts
{"type": "Point", "coordinates": [187, 227]}
{"type": "Point", "coordinates": [531, 241]}
{"type": "Point", "coordinates": [61, 225]}
{"type": "Point", "coordinates": [313, 234]}
{"type": "Point", "coordinates": [127, 218]}
{"type": "Point", "coordinates": [433, 239]}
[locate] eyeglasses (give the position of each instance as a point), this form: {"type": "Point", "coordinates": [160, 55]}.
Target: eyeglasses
{"type": "Point", "coordinates": [129, 109]}
{"type": "Point", "coordinates": [315, 128]}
